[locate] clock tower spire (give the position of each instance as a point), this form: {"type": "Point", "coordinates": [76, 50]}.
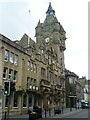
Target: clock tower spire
{"type": "Point", "coordinates": [50, 10]}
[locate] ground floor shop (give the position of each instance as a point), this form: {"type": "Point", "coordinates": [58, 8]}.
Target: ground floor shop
{"type": "Point", "coordinates": [20, 102]}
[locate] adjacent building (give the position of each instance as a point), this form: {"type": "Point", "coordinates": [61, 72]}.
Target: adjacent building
{"type": "Point", "coordinates": [36, 68]}
{"type": "Point", "coordinates": [87, 91]}
{"type": "Point", "coordinates": [71, 88]}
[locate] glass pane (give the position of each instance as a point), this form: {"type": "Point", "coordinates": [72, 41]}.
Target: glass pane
{"type": "Point", "coordinates": [11, 57]}
{"type": "Point", "coordinates": [15, 75]}
{"type": "Point", "coordinates": [24, 100]}
{"type": "Point", "coordinates": [16, 59]}
{"type": "Point", "coordinates": [5, 71]}
{"type": "Point", "coordinates": [6, 56]}
{"type": "Point", "coordinates": [15, 100]}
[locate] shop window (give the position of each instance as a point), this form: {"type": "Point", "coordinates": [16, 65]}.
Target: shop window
{"type": "Point", "coordinates": [25, 100]}
{"type": "Point", "coordinates": [15, 104]}
{"type": "Point", "coordinates": [35, 100]}
{"type": "Point", "coordinates": [30, 100]}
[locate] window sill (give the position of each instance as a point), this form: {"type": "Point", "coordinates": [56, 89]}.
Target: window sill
{"type": "Point", "coordinates": [16, 107]}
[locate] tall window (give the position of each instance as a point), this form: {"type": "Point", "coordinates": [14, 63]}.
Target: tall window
{"type": "Point", "coordinates": [5, 73]}
{"type": "Point", "coordinates": [28, 82]}
{"type": "Point", "coordinates": [6, 55]}
{"type": "Point", "coordinates": [34, 84]}
{"type": "Point", "coordinates": [30, 100]}
{"type": "Point", "coordinates": [28, 65]}
{"type": "Point", "coordinates": [15, 75]}
{"type": "Point", "coordinates": [49, 59]}
{"type": "Point", "coordinates": [56, 79]}
{"type": "Point", "coordinates": [31, 81]}
{"type": "Point", "coordinates": [52, 77]}
{"type": "Point", "coordinates": [31, 66]}
{"type": "Point", "coordinates": [15, 104]}
{"type": "Point", "coordinates": [35, 100]}
{"type": "Point", "coordinates": [24, 100]}
{"type": "Point", "coordinates": [10, 74]}
{"type": "Point", "coordinates": [43, 72]}
{"type": "Point", "coordinates": [70, 80]}
{"type": "Point", "coordinates": [34, 68]}
{"type": "Point", "coordinates": [32, 54]}
{"type": "Point", "coordinates": [16, 59]}
{"type": "Point", "coordinates": [12, 57]}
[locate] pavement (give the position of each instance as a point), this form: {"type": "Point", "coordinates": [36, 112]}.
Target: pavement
{"type": "Point", "coordinates": [0, 113]}
{"type": "Point", "coordinates": [49, 114]}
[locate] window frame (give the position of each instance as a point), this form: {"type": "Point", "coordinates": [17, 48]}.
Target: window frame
{"type": "Point", "coordinates": [11, 57]}
{"type": "Point", "coordinates": [10, 75]}
{"type": "Point", "coordinates": [28, 65]}
{"type": "Point", "coordinates": [5, 72]}
{"type": "Point", "coordinates": [6, 55]}
{"type": "Point", "coordinates": [15, 59]}
{"type": "Point", "coordinates": [15, 75]}
{"type": "Point", "coordinates": [15, 95]}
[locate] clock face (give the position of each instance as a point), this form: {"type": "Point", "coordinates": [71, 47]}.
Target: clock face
{"type": "Point", "coordinates": [47, 39]}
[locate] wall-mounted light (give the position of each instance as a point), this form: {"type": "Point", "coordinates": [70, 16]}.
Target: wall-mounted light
{"type": "Point", "coordinates": [36, 88]}
{"type": "Point", "coordinates": [30, 87]}
{"type": "Point", "coordinates": [33, 87]}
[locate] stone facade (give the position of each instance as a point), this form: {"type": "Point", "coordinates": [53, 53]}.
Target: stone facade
{"type": "Point", "coordinates": [71, 88]}
{"type": "Point", "coordinates": [87, 91]}
{"type": "Point", "coordinates": [37, 68]}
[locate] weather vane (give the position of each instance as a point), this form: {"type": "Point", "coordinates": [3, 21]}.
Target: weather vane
{"type": "Point", "coordinates": [29, 11]}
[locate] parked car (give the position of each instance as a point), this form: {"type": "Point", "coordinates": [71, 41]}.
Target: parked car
{"type": "Point", "coordinates": [35, 113]}
{"type": "Point", "coordinates": [84, 104]}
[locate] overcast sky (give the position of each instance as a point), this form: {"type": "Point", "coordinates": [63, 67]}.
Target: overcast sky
{"type": "Point", "coordinates": [15, 20]}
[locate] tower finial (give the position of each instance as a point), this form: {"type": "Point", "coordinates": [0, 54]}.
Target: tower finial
{"type": "Point", "coordinates": [50, 10]}
{"type": "Point", "coordinates": [49, 3]}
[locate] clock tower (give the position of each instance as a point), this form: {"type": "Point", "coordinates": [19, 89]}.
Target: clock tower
{"type": "Point", "coordinates": [52, 34]}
